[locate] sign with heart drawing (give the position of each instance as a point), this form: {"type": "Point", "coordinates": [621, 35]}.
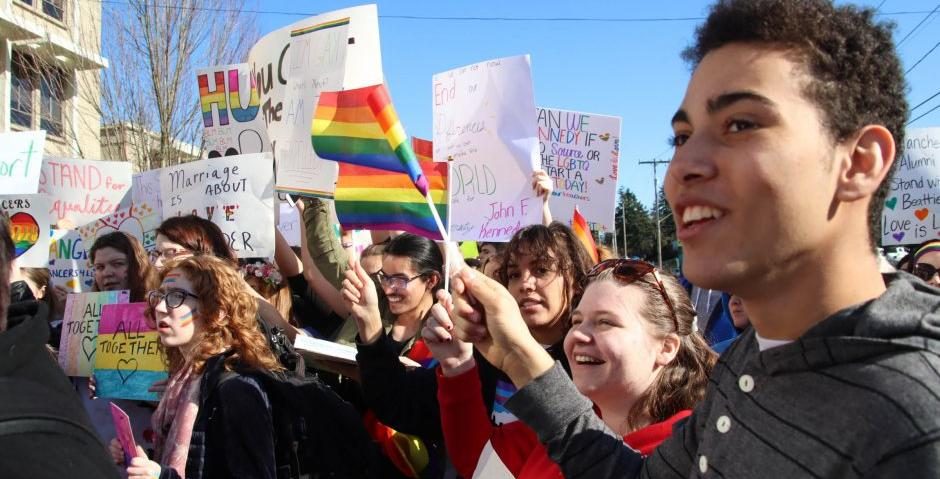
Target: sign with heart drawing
{"type": "Point", "coordinates": [79, 340]}
{"type": "Point", "coordinates": [29, 228]}
{"type": "Point", "coordinates": [910, 210]}
{"type": "Point", "coordinates": [129, 359]}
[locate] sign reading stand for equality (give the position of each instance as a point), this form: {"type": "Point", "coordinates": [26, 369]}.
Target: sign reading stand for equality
{"type": "Point", "coordinates": [83, 190]}
{"type": "Point", "coordinates": [913, 202]}
{"type": "Point", "coordinates": [29, 228]}
{"type": "Point", "coordinates": [129, 359]}
{"type": "Point", "coordinates": [79, 342]}
{"type": "Point", "coordinates": [337, 50]}
{"type": "Point", "coordinates": [21, 161]}
{"type": "Point", "coordinates": [483, 123]}
{"type": "Point", "coordinates": [234, 192]}
{"type": "Point", "coordinates": [231, 111]}
{"type": "Point", "coordinates": [580, 152]}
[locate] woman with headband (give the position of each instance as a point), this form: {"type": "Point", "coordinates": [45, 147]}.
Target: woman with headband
{"type": "Point", "coordinates": [925, 262]}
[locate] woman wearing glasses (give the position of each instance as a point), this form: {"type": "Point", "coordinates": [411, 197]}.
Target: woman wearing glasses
{"type": "Point", "coordinates": [925, 262]}
{"type": "Point", "coordinates": [206, 322]}
{"type": "Point", "coordinates": [632, 350]}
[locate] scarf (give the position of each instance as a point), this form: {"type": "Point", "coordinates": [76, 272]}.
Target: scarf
{"type": "Point", "coordinates": [174, 419]}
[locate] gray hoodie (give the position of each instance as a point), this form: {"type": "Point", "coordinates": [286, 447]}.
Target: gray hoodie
{"type": "Point", "coordinates": [858, 395]}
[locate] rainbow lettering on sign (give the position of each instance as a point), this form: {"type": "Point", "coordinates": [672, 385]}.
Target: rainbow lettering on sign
{"type": "Point", "coordinates": [235, 101]}
{"type": "Point", "coordinates": [128, 361]}
{"type": "Point", "coordinates": [227, 98]}
{"type": "Point", "coordinates": [25, 232]}
{"type": "Point", "coordinates": [213, 97]}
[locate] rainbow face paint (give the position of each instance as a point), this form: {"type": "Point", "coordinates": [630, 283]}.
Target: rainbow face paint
{"type": "Point", "coordinates": [186, 319]}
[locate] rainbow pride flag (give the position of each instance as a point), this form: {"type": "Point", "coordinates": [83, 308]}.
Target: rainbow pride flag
{"type": "Point", "coordinates": [373, 199]}
{"type": "Point", "coordinates": [580, 228]}
{"type": "Point", "coordinates": [361, 127]}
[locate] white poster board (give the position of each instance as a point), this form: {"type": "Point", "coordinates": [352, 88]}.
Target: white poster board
{"type": "Point", "coordinates": [29, 228]}
{"type": "Point", "coordinates": [68, 263]}
{"type": "Point", "coordinates": [234, 192]}
{"type": "Point", "coordinates": [231, 111]}
{"type": "Point", "coordinates": [288, 223]}
{"type": "Point", "coordinates": [82, 191]}
{"type": "Point", "coordinates": [139, 220]}
{"type": "Point", "coordinates": [483, 123]}
{"type": "Point", "coordinates": [289, 92]}
{"type": "Point", "coordinates": [21, 161]}
{"type": "Point", "coordinates": [580, 153]}
{"type": "Point", "coordinates": [913, 202]}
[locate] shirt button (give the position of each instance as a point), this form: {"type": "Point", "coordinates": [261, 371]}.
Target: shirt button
{"type": "Point", "coordinates": [746, 383]}
{"type": "Point", "coordinates": [702, 464]}
{"type": "Point", "coordinates": [723, 424]}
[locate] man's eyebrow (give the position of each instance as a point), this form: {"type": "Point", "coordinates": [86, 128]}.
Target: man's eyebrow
{"type": "Point", "coordinates": [727, 99]}
{"type": "Point", "coordinates": [680, 117]}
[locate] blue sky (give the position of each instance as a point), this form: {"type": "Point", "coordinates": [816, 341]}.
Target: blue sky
{"type": "Point", "coordinates": [629, 69]}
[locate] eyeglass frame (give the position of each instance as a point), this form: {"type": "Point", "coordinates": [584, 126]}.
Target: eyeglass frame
{"type": "Point", "coordinates": [646, 268]}
{"type": "Point", "coordinates": [934, 271]}
{"type": "Point", "coordinates": [384, 278]}
{"type": "Point", "coordinates": [153, 255]}
{"type": "Point", "coordinates": [163, 297]}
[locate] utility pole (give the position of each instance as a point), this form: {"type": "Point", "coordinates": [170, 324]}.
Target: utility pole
{"type": "Point", "coordinates": [623, 219]}
{"type": "Point", "coordinates": [659, 230]}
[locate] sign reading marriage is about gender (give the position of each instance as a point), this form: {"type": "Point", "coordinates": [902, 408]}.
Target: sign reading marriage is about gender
{"type": "Point", "coordinates": [83, 190]}
{"type": "Point", "coordinates": [234, 192]}
{"type": "Point", "coordinates": [129, 359]}
{"type": "Point", "coordinates": [29, 228]}
{"type": "Point", "coordinates": [483, 122]}
{"type": "Point", "coordinates": [913, 202]}
{"type": "Point", "coordinates": [21, 161]}
{"type": "Point", "coordinates": [79, 342]}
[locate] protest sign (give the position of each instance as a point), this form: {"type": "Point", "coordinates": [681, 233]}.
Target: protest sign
{"type": "Point", "coordinates": [145, 188]}
{"type": "Point", "coordinates": [82, 191]}
{"type": "Point", "coordinates": [288, 224]}
{"type": "Point", "coordinates": [68, 263]}
{"type": "Point", "coordinates": [580, 153]}
{"type": "Point", "coordinates": [21, 161]}
{"type": "Point", "coordinates": [234, 192]}
{"type": "Point", "coordinates": [128, 361]}
{"type": "Point", "coordinates": [79, 341]}
{"type": "Point", "coordinates": [124, 432]}
{"type": "Point", "coordinates": [29, 228]}
{"type": "Point", "coordinates": [291, 66]}
{"type": "Point", "coordinates": [913, 202]}
{"type": "Point", "coordinates": [231, 120]}
{"type": "Point", "coordinates": [483, 124]}
{"type": "Point", "coordinates": [139, 220]}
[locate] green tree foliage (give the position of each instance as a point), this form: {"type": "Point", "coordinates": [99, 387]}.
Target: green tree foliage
{"type": "Point", "coordinates": [640, 228]}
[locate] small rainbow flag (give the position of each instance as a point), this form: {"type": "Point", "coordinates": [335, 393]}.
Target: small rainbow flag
{"type": "Point", "coordinates": [373, 199]}
{"type": "Point", "coordinates": [580, 228]}
{"type": "Point", "coordinates": [361, 127]}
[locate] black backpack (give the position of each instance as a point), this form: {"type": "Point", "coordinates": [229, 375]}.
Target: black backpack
{"type": "Point", "coordinates": [317, 434]}
{"type": "Point", "coordinates": [278, 341]}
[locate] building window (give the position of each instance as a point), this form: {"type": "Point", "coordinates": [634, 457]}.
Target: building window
{"type": "Point", "coordinates": [34, 85]}
{"type": "Point", "coordinates": [54, 8]}
{"type": "Point", "coordinates": [51, 98]}
{"type": "Point", "coordinates": [28, 2]}
{"type": "Point", "coordinates": [21, 92]}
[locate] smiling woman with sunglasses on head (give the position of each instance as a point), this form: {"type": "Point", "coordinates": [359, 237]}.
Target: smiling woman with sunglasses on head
{"type": "Point", "coordinates": [206, 322]}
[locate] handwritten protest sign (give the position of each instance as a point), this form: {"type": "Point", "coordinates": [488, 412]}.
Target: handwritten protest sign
{"type": "Point", "coordinates": [68, 263]}
{"type": "Point", "coordinates": [231, 119]}
{"type": "Point", "coordinates": [288, 223]}
{"type": "Point", "coordinates": [580, 152]}
{"type": "Point", "coordinates": [234, 192]}
{"type": "Point", "coordinates": [83, 190]}
{"type": "Point", "coordinates": [145, 188]}
{"type": "Point", "coordinates": [79, 341]}
{"type": "Point", "coordinates": [138, 220]}
{"type": "Point", "coordinates": [21, 161]}
{"type": "Point", "coordinates": [483, 123]}
{"type": "Point", "coordinates": [128, 361]}
{"type": "Point", "coordinates": [910, 212]}
{"type": "Point", "coordinates": [29, 227]}
{"type": "Point", "coordinates": [291, 66]}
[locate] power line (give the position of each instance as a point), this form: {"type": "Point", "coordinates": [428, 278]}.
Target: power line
{"type": "Point", "coordinates": [925, 101]}
{"type": "Point", "coordinates": [918, 25]}
{"type": "Point", "coordinates": [922, 58]}
{"type": "Point", "coordinates": [879, 5]}
{"type": "Point", "coordinates": [925, 114]}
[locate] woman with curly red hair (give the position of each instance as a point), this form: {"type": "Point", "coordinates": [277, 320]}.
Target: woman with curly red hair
{"type": "Point", "coordinates": [206, 321]}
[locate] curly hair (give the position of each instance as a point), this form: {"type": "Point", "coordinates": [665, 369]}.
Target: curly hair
{"type": "Point", "coordinates": [228, 313]}
{"type": "Point", "coordinates": [680, 384]}
{"type": "Point", "coordinates": [856, 75]}
{"type": "Point", "coordinates": [198, 235]}
{"type": "Point", "coordinates": [556, 246]}
{"type": "Point", "coordinates": [141, 276]}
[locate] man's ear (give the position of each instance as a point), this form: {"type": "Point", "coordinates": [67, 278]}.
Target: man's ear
{"type": "Point", "coordinates": [867, 159]}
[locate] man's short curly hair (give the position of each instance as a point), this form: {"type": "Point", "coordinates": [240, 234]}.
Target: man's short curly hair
{"type": "Point", "coordinates": [857, 78]}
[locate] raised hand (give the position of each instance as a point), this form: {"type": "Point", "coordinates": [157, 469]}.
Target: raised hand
{"type": "Point", "coordinates": [363, 301]}
{"type": "Point", "coordinates": [455, 356]}
{"type": "Point", "coordinates": [141, 467]}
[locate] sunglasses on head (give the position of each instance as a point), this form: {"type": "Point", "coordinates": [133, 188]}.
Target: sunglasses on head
{"type": "Point", "coordinates": [925, 271]}
{"type": "Point", "coordinates": [629, 271]}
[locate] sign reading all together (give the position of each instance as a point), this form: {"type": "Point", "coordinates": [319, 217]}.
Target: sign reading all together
{"type": "Point", "coordinates": [483, 124]}
{"type": "Point", "coordinates": [913, 201]}
{"type": "Point", "coordinates": [82, 191]}
{"type": "Point", "coordinates": [79, 342]}
{"type": "Point", "coordinates": [129, 359]}
{"type": "Point", "coordinates": [21, 161]}
{"type": "Point", "coordinates": [29, 228]}
{"type": "Point", "coordinates": [580, 153]}
{"type": "Point", "coordinates": [234, 192]}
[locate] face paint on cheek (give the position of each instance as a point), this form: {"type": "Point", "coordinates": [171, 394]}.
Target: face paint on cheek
{"type": "Point", "coordinates": [187, 319]}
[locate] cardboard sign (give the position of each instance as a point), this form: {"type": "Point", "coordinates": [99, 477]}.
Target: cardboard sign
{"type": "Point", "coordinates": [291, 66]}
{"type": "Point", "coordinates": [83, 190]}
{"type": "Point", "coordinates": [128, 360]}
{"type": "Point", "coordinates": [29, 227]}
{"type": "Point", "coordinates": [138, 220]}
{"type": "Point", "coordinates": [580, 152]}
{"type": "Point", "coordinates": [79, 342]}
{"type": "Point", "coordinates": [145, 188]}
{"type": "Point", "coordinates": [913, 202]}
{"type": "Point", "coordinates": [231, 111]}
{"type": "Point", "coordinates": [68, 263]}
{"type": "Point", "coordinates": [288, 223]}
{"type": "Point", "coordinates": [21, 161]}
{"type": "Point", "coordinates": [483, 124]}
{"type": "Point", "coordinates": [124, 432]}
{"type": "Point", "coordinates": [234, 192]}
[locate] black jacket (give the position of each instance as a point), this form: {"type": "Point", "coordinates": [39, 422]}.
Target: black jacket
{"type": "Point", "coordinates": [44, 431]}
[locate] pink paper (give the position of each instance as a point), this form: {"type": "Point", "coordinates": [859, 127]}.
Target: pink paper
{"type": "Point", "coordinates": [125, 435]}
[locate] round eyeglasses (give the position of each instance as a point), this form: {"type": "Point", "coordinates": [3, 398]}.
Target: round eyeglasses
{"type": "Point", "coordinates": [174, 298]}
